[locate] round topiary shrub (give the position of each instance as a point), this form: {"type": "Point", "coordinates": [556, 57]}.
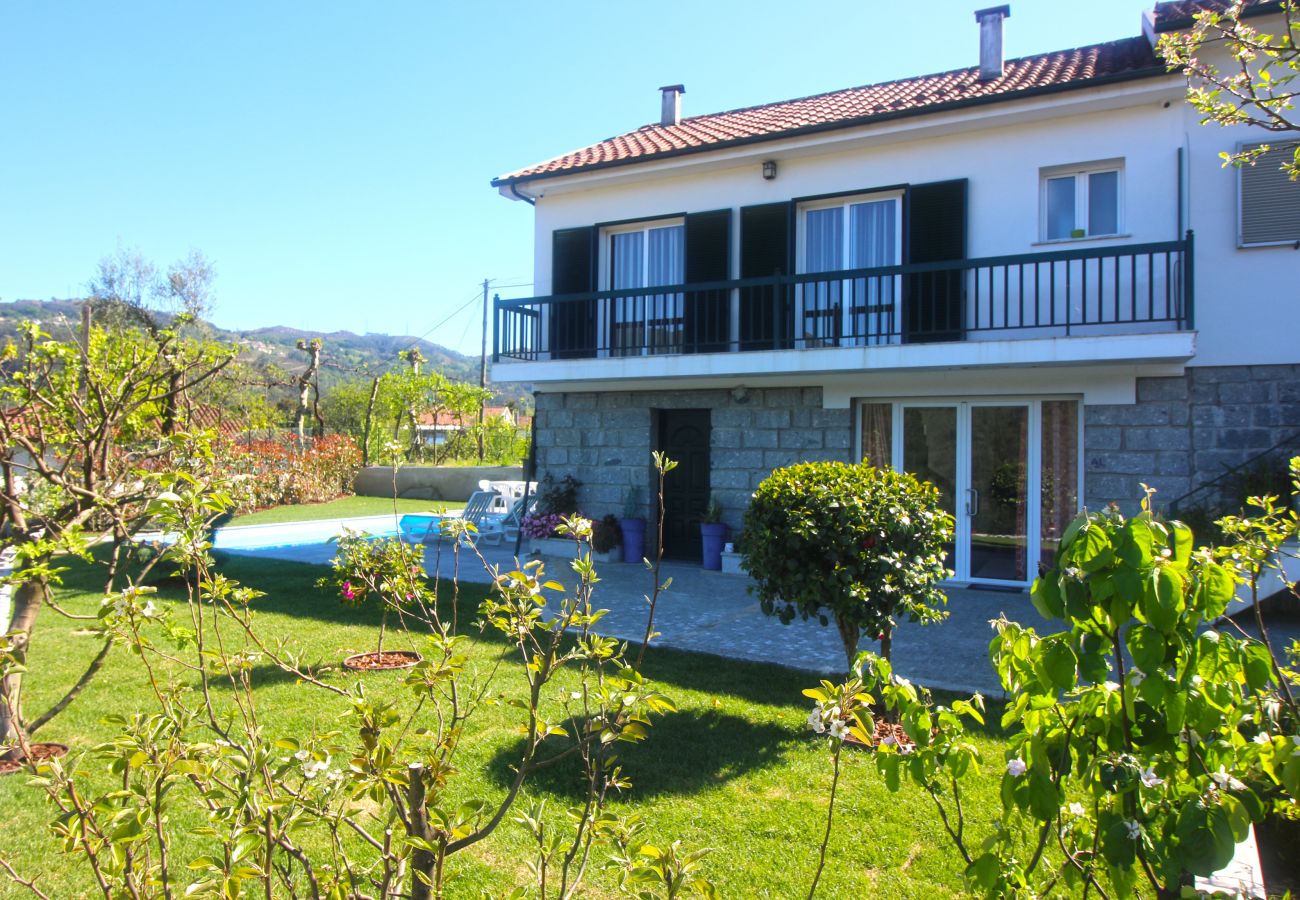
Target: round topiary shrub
{"type": "Point", "coordinates": [852, 543]}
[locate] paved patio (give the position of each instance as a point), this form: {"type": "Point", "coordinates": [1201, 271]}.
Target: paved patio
{"type": "Point", "coordinates": [709, 612]}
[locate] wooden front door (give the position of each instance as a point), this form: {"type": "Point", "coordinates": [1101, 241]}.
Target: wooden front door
{"type": "Point", "coordinates": [684, 436]}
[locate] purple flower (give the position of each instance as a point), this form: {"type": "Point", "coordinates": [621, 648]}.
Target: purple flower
{"type": "Point", "coordinates": [348, 591]}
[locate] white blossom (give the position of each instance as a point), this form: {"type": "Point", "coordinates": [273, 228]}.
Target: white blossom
{"type": "Point", "coordinates": [1150, 779]}
{"type": "Point", "coordinates": [1262, 739]}
{"type": "Point", "coordinates": [1016, 767]}
{"type": "Point", "coordinates": [302, 755]}
{"type": "Point", "coordinates": [1226, 780]}
{"type": "Point", "coordinates": [839, 729]}
{"type": "Point", "coordinates": [149, 610]}
{"type": "Point", "coordinates": [1076, 809]}
{"type": "Point", "coordinates": [1134, 829]}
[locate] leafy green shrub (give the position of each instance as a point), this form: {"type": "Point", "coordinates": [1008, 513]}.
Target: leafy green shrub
{"type": "Point", "coordinates": [854, 543]}
{"type": "Point", "coordinates": [1142, 742]}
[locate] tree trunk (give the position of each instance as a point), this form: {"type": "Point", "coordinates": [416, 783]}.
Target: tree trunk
{"type": "Point", "coordinates": [370, 412]}
{"type": "Point", "coordinates": [849, 635]}
{"type": "Point", "coordinates": [26, 603]}
{"type": "Point", "coordinates": [886, 643]}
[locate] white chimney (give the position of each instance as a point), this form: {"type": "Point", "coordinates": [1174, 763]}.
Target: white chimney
{"type": "Point", "coordinates": [671, 108]}
{"type": "Point", "coordinates": [991, 40]}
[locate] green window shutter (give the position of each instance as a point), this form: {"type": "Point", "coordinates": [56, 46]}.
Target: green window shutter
{"type": "Point", "coordinates": [766, 249]}
{"type": "Point", "coordinates": [934, 231]}
{"type": "Point", "coordinates": [573, 271]}
{"type": "Point", "coordinates": [708, 258]}
{"type": "Point", "coordinates": [1270, 200]}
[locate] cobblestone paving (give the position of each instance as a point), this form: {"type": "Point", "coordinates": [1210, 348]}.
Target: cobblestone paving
{"type": "Point", "coordinates": [709, 612]}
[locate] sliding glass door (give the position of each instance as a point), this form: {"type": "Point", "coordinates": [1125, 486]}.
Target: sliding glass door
{"type": "Point", "coordinates": [989, 460]}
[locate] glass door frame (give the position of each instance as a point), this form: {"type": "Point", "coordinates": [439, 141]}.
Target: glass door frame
{"type": "Point", "coordinates": [1033, 464]}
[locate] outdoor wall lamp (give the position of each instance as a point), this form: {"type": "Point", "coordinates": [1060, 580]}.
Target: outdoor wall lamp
{"type": "Point", "coordinates": [769, 169]}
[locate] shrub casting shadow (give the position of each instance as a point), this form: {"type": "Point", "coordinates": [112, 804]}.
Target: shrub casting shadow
{"type": "Point", "coordinates": [686, 752]}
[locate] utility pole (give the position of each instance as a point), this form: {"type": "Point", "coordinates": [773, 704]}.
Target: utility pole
{"type": "Point", "coordinates": [482, 372]}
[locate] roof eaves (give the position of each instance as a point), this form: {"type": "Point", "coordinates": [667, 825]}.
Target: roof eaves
{"type": "Point", "coordinates": [1181, 22]}
{"type": "Point", "coordinates": [856, 121]}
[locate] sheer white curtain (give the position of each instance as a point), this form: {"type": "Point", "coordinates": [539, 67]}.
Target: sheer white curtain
{"type": "Point", "coordinates": [873, 242]}
{"type": "Point", "coordinates": [643, 259]}
{"type": "Point", "coordinates": [823, 252]}
{"type": "Point", "coordinates": [627, 270]}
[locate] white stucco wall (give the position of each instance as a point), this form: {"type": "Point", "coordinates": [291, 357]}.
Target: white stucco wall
{"type": "Point", "coordinates": [1247, 308]}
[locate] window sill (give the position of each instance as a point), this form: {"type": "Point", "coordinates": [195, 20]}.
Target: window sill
{"type": "Point", "coordinates": [1081, 240]}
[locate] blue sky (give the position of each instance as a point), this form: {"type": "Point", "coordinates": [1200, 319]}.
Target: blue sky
{"type": "Point", "coordinates": [333, 159]}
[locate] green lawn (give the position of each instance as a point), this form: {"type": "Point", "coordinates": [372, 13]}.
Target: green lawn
{"type": "Point", "coordinates": [342, 508]}
{"type": "Point", "coordinates": [735, 769]}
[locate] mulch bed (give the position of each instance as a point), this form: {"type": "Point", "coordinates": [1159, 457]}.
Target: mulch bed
{"type": "Point", "coordinates": [884, 730]}
{"type": "Point", "coordinates": [378, 662]}
{"type": "Point", "coordinates": [40, 752]}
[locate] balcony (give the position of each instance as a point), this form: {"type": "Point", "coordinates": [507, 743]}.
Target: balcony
{"type": "Point", "coordinates": [871, 317]}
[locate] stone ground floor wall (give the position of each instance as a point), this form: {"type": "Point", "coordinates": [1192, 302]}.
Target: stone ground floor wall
{"type": "Point", "coordinates": [1181, 432]}
{"type": "Point", "coordinates": [1187, 430]}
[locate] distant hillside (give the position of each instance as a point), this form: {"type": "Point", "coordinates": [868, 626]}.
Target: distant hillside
{"type": "Point", "coordinates": [345, 353]}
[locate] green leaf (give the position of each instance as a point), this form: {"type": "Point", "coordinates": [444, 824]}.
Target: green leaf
{"type": "Point", "coordinates": [1217, 590]}
{"type": "Point", "coordinates": [1147, 647]}
{"type": "Point", "coordinates": [1056, 663]}
{"type": "Point", "coordinates": [1044, 799]}
{"type": "Point", "coordinates": [1136, 544]}
{"type": "Point", "coordinates": [1205, 838]}
{"type": "Point", "coordinates": [1094, 552]}
{"type": "Point", "coordinates": [1258, 666]}
{"type": "Point", "coordinates": [1046, 596]}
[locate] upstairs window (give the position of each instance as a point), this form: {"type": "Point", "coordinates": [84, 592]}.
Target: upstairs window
{"type": "Point", "coordinates": [1081, 201]}
{"type": "Point", "coordinates": [641, 258]}
{"type": "Point", "coordinates": [1270, 200]}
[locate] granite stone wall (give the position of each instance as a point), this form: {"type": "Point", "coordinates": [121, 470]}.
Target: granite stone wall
{"type": "Point", "coordinates": [604, 440]}
{"type": "Point", "coordinates": [1186, 430]}
{"type": "Point", "coordinates": [1181, 432]}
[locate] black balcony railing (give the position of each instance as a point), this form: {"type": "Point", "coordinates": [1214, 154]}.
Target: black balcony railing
{"type": "Point", "coordinates": [1112, 290]}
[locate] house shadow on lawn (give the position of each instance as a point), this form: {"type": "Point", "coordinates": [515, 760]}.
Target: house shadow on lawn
{"type": "Point", "coordinates": [686, 752]}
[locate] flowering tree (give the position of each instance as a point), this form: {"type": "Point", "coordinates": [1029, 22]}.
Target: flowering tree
{"type": "Point", "coordinates": [1142, 745]}
{"type": "Point", "coordinates": [85, 426]}
{"type": "Point", "coordinates": [854, 543]}
{"type": "Point", "coordinates": [1254, 83]}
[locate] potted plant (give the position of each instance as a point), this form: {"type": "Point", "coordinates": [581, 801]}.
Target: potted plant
{"type": "Point", "coordinates": [632, 526]}
{"type": "Point", "coordinates": [713, 534]}
{"type": "Point", "coordinates": [605, 537]}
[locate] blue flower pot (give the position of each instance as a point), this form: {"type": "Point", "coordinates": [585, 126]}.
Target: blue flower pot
{"type": "Point", "coordinates": [713, 535]}
{"type": "Point", "coordinates": [633, 539]}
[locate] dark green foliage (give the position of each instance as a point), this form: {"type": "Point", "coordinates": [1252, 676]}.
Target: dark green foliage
{"type": "Point", "coordinates": [855, 543]}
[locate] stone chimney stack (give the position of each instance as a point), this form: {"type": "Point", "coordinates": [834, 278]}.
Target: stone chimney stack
{"type": "Point", "coordinates": [671, 106]}
{"type": "Point", "coordinates": [991, 40]}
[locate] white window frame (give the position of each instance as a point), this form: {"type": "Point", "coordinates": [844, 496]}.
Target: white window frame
{"type": "Point", "coordinates": [843, 203]}
{"type": "Point", "coordinates": [1033, 462]}
{"type": "Point", "coordinates": [605, 271]}
{"type": "Point", "coordinates": [1080, 173]}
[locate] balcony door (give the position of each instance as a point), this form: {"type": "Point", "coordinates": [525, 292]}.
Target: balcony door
{"type": "Point", "coordinates": [1007, 470]}
{"type": "Point", "coordinates": [840, 235]}
{"type": "Point", "coordinates": [640, 259]}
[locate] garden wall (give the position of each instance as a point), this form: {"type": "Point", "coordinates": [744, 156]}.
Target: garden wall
{"type": "Point", "coordinates": [450, 483]}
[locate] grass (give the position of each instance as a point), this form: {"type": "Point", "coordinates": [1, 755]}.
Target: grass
{"type": "Point", "coordinates": [342, 508]}
{"type": "Point", "coordinates": [734, 769]}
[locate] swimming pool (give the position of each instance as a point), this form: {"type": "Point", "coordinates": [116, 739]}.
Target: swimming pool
{"type": "Point", "coordinates": [311, 541]}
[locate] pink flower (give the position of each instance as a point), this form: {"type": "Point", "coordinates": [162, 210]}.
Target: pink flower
{"type": "Point", "coordinates": [348, 592]}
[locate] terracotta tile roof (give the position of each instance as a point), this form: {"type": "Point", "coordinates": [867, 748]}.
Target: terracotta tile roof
{"type": "Point", "coordinates": [1176, 14]}
{"type": "Point", "coordinates": [1063, 69]}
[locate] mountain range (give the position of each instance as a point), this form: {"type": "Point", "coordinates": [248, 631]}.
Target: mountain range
{"type": "Point", "coordinates": [344, 353]}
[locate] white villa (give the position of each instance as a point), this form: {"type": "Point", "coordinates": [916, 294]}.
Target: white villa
{"type": "Point", "coordinates": [1031, 282]}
